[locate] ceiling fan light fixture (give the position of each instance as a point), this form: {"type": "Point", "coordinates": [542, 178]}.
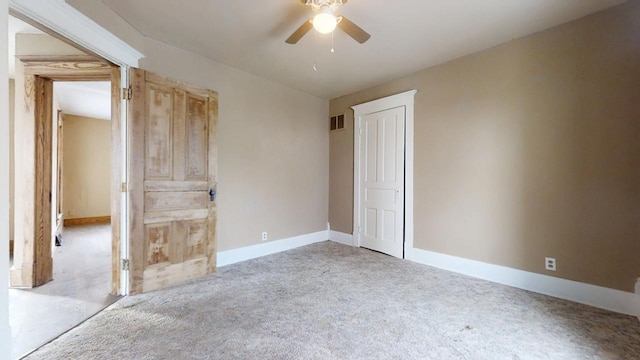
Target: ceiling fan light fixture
{"type": "Point", "coordinates": [324, 21]}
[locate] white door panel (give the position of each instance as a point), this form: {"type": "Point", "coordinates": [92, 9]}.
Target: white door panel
{"type": "Point", "coordinates": [382, 181]}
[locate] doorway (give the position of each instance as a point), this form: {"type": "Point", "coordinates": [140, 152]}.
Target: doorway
{"type": "Point", "coordinates": [383, 175]}
{"type": "Point", "coordinates": [32, 262]}
{"type": "Point", "coordinates": [81, 277]}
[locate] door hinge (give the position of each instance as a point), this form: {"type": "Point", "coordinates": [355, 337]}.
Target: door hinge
{"type": "Point", "coordinates": [125, 264]}
{"type": "Point", "coordinates": [124, 187]}
{"type": "Point", "coordinates": [126, 93]}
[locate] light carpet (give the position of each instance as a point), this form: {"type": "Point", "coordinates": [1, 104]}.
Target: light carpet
{"type": "Point", "coordinates": [331, 301]}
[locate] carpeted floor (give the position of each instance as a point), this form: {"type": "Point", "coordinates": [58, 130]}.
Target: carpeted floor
{"type": "Point", "coordinates": [331, 301]}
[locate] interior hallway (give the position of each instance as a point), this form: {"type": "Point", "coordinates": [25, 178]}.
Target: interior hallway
{"type": "Point", "coordinates": [80, 288]}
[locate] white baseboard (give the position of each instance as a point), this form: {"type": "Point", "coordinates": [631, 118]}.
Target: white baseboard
{"type": "Point", "coordinates": [597, 296]}
{"type": "Point", "coordinates": [254, 251]}
{"type": "Point", "coordinates": [341, 237]}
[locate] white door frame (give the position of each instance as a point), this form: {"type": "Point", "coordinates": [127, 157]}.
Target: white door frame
{"type": "Point", "coordinates": [405, 99]}
{"type": "Point", "coordinates": [5, 330]}
{"type": "Point", "coordinates": [65, 20]}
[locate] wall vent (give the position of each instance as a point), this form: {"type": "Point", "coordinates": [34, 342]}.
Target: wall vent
{"type": "Point", "coordinates": [336, 122]}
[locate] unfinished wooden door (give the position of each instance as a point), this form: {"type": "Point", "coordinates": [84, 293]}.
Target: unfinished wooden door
{"type": "Point", "coordinates": [172, 181]}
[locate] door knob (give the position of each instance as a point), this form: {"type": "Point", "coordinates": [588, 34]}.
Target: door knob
{"type": "Point", "coordinates": [212, 194]}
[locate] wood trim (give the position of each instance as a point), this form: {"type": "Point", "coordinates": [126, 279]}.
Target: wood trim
{"type": "Point", "coordinates": [116, 168]}
{"type": "Point", "coordinates": [63, 70]}
{"type": "Point", "coordinates": [40, 72]}
{"type": "Point", "coordinates": [30, 59]}
{"type": "Point", "coordinates": [87, 221]}
{"type": "Point", "coordinates": [213, 180]}
{"type": "Point", "coordinates": [21, 274]}
{"type": "Point", "coordinates": [136, 181]}
{"type": "Point", "coordinates": [43, 261]}
{"type": "Point", "coordinates": [36, 266]}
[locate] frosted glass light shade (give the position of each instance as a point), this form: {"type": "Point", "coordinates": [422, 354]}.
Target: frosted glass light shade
{"type": "Point", "coordinates": [324, 22]}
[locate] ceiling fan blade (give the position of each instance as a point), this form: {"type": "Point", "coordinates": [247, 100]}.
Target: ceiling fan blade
{"type": "Point", "coordinates": [298, 34]}
{"type": "Point", "coordinates": [353, 30]}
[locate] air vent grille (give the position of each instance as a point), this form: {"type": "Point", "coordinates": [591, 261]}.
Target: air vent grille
{"type": "Point", "coordinates": [336, 122]}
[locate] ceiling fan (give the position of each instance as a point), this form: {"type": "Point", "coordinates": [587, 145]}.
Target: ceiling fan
{"type": "Point", "coordinates": [325, 21]}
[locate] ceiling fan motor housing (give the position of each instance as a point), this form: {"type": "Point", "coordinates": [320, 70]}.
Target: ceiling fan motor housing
{"type": "Point", "coordinates": [317, 5]}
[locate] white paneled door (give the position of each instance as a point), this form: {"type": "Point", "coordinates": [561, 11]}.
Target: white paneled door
{"type": "Point", "coordinates": [382, 181]}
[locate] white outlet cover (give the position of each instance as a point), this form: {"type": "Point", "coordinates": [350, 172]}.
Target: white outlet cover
{"type": "Point", "coordinates": [264, 236]}
{"type": "Point", "coordinates": [550, 263]}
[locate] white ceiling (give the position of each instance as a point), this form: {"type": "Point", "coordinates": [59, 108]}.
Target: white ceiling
{"type": "Point", "coordinates": [84, 98]}
{"type": "Point", "coordinates": [89, 99]}
{"type": "Point", "coordinates": [406, 36]}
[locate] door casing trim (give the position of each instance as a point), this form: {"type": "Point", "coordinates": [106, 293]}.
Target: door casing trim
{"type": "Point", "coordinates": [61, 20]}
{"type": "Point", "coordinates": [31, 273]}
{"type": "Point", "coordinates": [71, 24]}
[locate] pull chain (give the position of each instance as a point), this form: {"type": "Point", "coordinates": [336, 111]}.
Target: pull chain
{"type": "Point", "coordinates": [332, 51]}
{"type": "Point", "coordinates": [315, 52]}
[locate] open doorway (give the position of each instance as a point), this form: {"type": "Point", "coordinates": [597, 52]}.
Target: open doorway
{"type": "Point", "coordinates": [60, 102]}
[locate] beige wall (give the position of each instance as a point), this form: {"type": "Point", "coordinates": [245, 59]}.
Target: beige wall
{"type": "Point", "coordinates": [43, 44]}
{"type": "Point", "coordinates": [12, 87]}
{"type": "Point", "coordinates": [341, 170]}
{"type": "Point", "coordinates": [526, 150]}
{"type": "Point", "coordinates": [273, 142]}
{"type": "Point", "coordinates": [86, 167]}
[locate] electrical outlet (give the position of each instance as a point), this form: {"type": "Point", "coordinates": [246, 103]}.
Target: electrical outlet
{"type": "Point", "coordinates": [264, 236]}
{"type": "Point", "coordinates": [550, 263]}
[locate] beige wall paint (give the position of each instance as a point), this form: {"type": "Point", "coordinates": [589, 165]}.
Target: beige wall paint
{"type": "Point", "coordinates": [340, 164]}
{"type": "Point", "coordinates": [273, 142]}
{"type": "Point", "coordinates": [12, 89]}
{"type": "Point", "coordinates": [526, 150]}
{"type": "Point", "coordinates": [85, 167]}
{"type": "Point", "coordinates": [43, 44]}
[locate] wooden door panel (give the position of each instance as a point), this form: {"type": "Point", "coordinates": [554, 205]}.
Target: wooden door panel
{"type": "Point", "coordinates": [176, 186]}
{"type": "Point", "coordinates": [157, 248]}
{"type": "Point", "coordinates": [175, 242]}
{"type": "Point", "coordinates": [162, 276]}
{"type": "Point", "coordinates": [173, 225]}
{"type": "Point", "coordinates": [197, 138]}
{"type": "Point", "coordinates": [175, 215]}
{"type": "Point", "coordinates": [175, 200]}
{"type": "Point", "coordinates": [159, 134]}
{"type": "Point", "coordinates": [196, 232]}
